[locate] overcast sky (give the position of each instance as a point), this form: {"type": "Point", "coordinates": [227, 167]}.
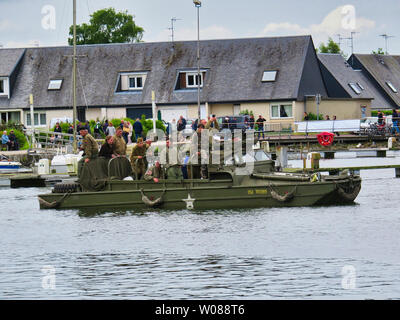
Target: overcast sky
{"type": "Point", "coordinates": [29, 22]}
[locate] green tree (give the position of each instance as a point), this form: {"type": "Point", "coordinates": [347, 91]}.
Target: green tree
{"type": "Point", "coordinates": [331, 47]}
{"type": "Point", "coordinates": [380, 51]}
{"type": "Point", "coordinates": [107, 26]}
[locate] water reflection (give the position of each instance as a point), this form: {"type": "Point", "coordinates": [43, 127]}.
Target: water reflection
{"type": "Point", "coordinates": [148, 276]}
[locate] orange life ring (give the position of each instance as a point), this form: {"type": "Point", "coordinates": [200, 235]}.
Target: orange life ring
{"type": "Point", "coordinates": [325, 139]}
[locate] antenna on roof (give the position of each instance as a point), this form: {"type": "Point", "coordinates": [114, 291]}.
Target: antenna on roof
{"type": "Point", "coordinates": [351, 38]}
{"type": "Point", "coordinates": [340, 39]}
{"type": "Point", "coordinates": [386, 37]}
{"type": "Point", "coordinates": [172, 27]}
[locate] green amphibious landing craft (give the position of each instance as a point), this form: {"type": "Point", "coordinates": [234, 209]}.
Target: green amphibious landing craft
{"type": "Point", "coordinates": [103, 184]}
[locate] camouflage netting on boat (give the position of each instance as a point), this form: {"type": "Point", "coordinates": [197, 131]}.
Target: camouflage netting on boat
{"type": "Point", "coordinates": [93, 175]}
{"type": "Point", "coordinates": [119, 168]}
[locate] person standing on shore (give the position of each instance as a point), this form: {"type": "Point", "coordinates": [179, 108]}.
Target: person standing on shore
{"type": "Point", "coordinates": [5, 140]}
{"type": "Point", "coordinates": [251, 121]}
{"type": "Point", "coordinates": [380, 118]}
{"type": "Point", "coordinates": [395, 121]}
{"type": "Point", "coordinates": [110, 131]}
{"type": "Point", "coordinates": [138, 128]}
{"type": "Point", "coordinates": [125, 131]}
{"type": "Point", "coordinates": [87, 127]}
{"type": "Point", "coordinates": [260, 126]}
{"type": "Point", "coordinates": [105, 126]}
{"type": "Point", "coordinates": [13, 140]}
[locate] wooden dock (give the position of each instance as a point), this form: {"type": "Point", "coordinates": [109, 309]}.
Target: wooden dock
{"type": "Point", "coordinates": [286, 139]}
{"type": "Point", "coordinates": [351, 169]}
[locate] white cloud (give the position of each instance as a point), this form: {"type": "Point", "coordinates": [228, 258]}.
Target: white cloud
{"type": "Point", "coordinates": [336, 22]}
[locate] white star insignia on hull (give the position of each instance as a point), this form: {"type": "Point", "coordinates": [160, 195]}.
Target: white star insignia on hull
{"type": "Point", "coordinates": [189, 202]}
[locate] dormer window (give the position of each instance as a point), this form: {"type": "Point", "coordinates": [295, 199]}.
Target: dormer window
{"type": "Point", "coordinates": [55, 84]}
{"type": "Point", "coordinates": [190, 79]}
{"type": "Point", "coordinates": [269, 76]}
{"type": "Point", "coordinates": [355, 88]}
{"type": "Point", "coordinates": [391, 86]}
{"type": "Point", "coordinates": [4, 87]}
{"type": "Point", "coordinates": [131, 81]}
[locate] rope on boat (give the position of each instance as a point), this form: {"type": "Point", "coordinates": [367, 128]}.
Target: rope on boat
{"type": "Point", "coordinates": [55, 204]}
{"type": "Point", "coordinates": [285, 198]}
{"type": "Point", "coordinates": [150, 203]}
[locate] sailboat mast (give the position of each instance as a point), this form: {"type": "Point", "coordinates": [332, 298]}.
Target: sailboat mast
{"type": "Point", "coordinates": [74, 78]}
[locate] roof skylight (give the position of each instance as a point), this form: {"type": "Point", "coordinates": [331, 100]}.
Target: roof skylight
{"type": "Point", "coordinates": [391, 86]}
{"type": "Point", "coordinates": [269, 76]}
{"type": "Point", "coordinates": [55, 84]}
{"type": "Point", "coordinates": [355, 88]}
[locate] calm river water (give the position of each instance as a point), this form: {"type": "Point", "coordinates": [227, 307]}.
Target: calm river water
{"type": "Point", "coordinates": [350, 252]}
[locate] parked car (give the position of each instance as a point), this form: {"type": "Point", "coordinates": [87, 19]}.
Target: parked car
{"type": "Point", "coordinates": [235, 122]}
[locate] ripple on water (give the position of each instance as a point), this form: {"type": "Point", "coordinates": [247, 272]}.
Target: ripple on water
{"type": "Point", "coordinates": [290, 253]}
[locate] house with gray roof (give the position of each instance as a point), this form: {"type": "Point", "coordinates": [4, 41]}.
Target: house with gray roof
{"type": "Point", "coordinates": [342, 81]}
{"type": "Point", "coordinates": [10, 63]}
{"type": "Point", "coordinates": [270, 76]}
{"type": "Point", "coordinates": [383, 72]}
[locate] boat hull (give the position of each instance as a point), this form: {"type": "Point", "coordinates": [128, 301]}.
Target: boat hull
{"type": "Point", "coordinates": [207, 195]}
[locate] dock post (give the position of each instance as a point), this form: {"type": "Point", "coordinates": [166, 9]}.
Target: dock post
{"type": "Point", "coordinates": [329, 154]}
{"type": "Point", "coordinates": [381, 153]}
{"type": "Point", "coordinates": [397, 172]}
{"type": "Point", "coordinates": [391, 142]}
{"type": "Point", "coordinates": [265, 146]}
{"type": "Point", "coordinates": [282, 156]}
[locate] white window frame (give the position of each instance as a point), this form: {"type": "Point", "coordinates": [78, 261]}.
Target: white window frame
{"type": "Point", "coordinates": [391, 86]}
{"type": "Point", "coordinates": [5, 92]}
{"type": "Point", "coordinates": [195, 77]}
{"type": "Point", "coordinates": [28, 114]}
{"type": "Point", "coordinates": [269, 76]}
{"type": "Point", "coordinates": [279, 105]}
{"type": "Point", "coordinates": [136, 77]}
{"type": "Point", "coordinates": [355, 88]}
{"type": "Point", "coordinates": [55, 84]}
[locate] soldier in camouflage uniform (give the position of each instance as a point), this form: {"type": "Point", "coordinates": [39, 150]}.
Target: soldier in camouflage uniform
{"type": "Point", "coordinates": [90, 148]}
{"type": "Point", "coordinates": [119, 143]}
{"type": "Point", "coordinates": [202, 156]}
{"type": "Point", "coordinates": [173, 159]}
{"type": "Point", "coordinates": [155, 173]}
{"type": "Point", "coordinates": [138, 159]}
